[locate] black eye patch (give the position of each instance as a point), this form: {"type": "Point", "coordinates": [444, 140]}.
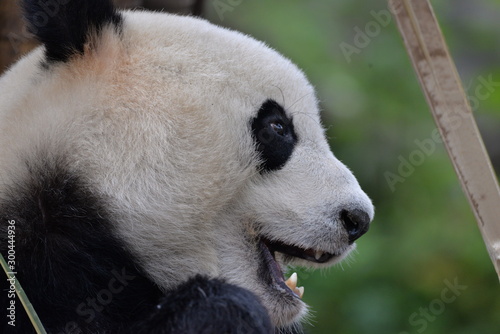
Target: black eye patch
{"type": "Point", "coordinates": [274, 135]}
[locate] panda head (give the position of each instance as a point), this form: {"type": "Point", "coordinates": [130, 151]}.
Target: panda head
{"type": "Point", "coordinates": [204, 145]}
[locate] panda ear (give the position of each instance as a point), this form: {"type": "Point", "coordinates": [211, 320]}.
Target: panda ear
{"type": "Point", "coordinates": [64, 26]}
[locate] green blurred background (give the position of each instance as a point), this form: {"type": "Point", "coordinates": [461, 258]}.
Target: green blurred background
{"type": "Point", "coordinates": [424, 237]}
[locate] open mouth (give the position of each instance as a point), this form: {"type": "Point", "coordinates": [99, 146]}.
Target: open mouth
{"type": "Point", "coordinates": [269, 249]}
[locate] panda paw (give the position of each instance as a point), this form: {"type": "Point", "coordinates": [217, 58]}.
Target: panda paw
{"type": "Point", "coordinates": [208, 306]}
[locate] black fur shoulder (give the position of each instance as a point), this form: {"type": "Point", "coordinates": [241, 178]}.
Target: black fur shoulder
{"type": "Point", "coordinates": [64, 25]}
{"type": "Point", "coordinates": [74, 269]}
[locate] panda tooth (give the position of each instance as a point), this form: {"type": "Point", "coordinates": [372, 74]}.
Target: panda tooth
{"type": "Point", "coordinates": [292, 282]}
{"type": "Point", "coordinates": [318, 255]}
{"type": "Point", "coordinates": [300, 290]}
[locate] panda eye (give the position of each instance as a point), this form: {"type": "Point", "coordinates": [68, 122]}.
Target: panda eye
{"type": "Point", "coordinates": [278, 128]}
{"type": "Point", "coordinates": [274, 135]}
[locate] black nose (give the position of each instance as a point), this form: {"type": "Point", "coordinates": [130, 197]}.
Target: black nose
{"type": "Point", "coordinates": [356, 223]}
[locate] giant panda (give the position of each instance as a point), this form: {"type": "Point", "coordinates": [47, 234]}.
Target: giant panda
{"type": "Point", "coordinates": [158, 174]}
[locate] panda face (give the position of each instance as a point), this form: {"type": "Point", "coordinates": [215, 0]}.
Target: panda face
{"type": "Point", "coordinates": [204, 146]}
{"type": "Point", "coordinates": [302, 207]}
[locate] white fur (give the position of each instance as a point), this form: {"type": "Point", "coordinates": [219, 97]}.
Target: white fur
{"type": "Point", "coordinates": [157, 121]}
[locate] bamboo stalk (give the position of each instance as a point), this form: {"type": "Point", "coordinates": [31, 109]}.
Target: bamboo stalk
{"type": "Point", "coordinates": [35, 320]}
{"type": "Point", "coordinates": [443, 90]}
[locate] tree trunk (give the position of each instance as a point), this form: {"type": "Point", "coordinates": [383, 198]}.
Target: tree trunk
{"type": "Point", "coordinates": [14, 38]}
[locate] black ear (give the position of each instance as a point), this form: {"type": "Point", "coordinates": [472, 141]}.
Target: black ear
{"type": "Point", "coordinates": [63, 26]}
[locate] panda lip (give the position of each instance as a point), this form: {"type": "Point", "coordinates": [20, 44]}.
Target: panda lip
{"type": "Point", "coordinates": [270, 261]}
{"type": "Point", "coordinates": [275, 274]}
{"type": "Point", "coordinates": [308, 254]}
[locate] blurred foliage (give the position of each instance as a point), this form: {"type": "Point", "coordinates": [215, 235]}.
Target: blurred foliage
{"type": "Point", "coordinates": [424, 236]}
